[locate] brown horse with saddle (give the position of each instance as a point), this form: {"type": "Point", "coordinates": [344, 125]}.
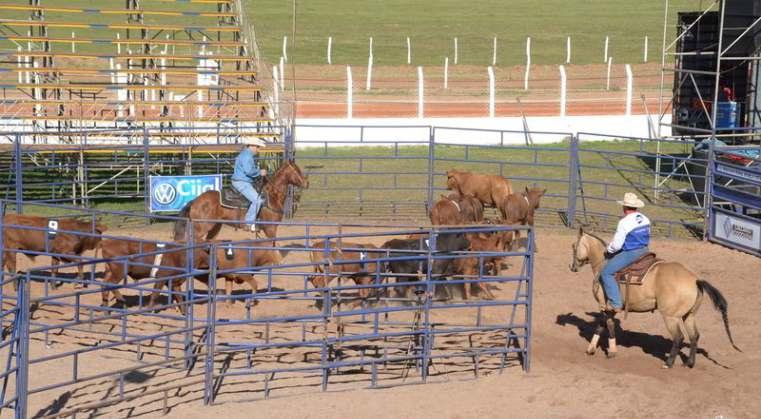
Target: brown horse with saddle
{"type": "Point", "coordinates": [211, 207]}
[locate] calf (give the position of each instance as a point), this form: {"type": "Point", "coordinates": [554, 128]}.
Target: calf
{"type": "Point", "coordinates": [491, 190]}
{"type": "Point", "coordinates": [233, 257]}
{"type": "Point", "coordinates": [58, 241]}
{"type": "Point", "coordinates": [445, 243]}
{"type": "Point", "coordinates": [172, 262]}
{"type": "Point", "coordinates": [468, 267]}
{"type": "Point", "coordinates": [456, 209]}
{"type": "Point", "coordinates": [520, 208]}
{"type": "Point", "coordinates": [361, 272]}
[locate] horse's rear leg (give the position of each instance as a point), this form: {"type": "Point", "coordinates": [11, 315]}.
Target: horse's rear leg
{"type": "Point", "coordinates": [592, 348]}
{"type": "Point", "coordinates": [672, 324]}
{"type": "Point", "coordinates": [611, 323]}
{"type": "Point", "coordinates": [692, 332]}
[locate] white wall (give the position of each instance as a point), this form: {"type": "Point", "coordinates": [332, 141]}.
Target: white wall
{"type": "Point", "coordinates": [415, 130]}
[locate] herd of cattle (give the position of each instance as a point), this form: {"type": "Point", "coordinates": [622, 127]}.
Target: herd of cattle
{"type": "Point", "coordinates": [69, 238]}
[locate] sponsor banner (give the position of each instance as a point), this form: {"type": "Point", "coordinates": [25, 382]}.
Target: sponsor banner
{"type": "Point", "coordinates": [735, 230]}
{"type": "Point", "coordinates": [172, 193]}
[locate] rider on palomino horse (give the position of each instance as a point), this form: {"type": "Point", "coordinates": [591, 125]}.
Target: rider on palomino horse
{"type": "Point", "coordinates": [629, 244]}
{"type": "Point", "coordinates": [245, 173]}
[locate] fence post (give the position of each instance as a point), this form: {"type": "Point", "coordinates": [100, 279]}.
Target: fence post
{"type": "Point", "coordinates": [22, 356]}
{"type": "Point", "coordinates": [369, 72]}
{"type": "Point", "coordinates": [607, 79]}
{"type": "Point", "coordinates": [563, 90]}
{"type": "Point", "coordinates": [282, 74]}
{"type": "Point", "coordinates": [708, 189]}
{"type": "Point", "coordinates": [420, 96]}
{"type": "Point", "coordinates": [409, 51]}
{"type": "Point", "coordinates": [146, 177]}
{"type": "Point", "coordinates": [455, 51]}
{"type": "Point", "coordinates": [568, 50]}
{"type": "Point", "coordinates": [18, 167]}
{"type": "Point", "coordinates": [628, 89]}
{"type": "Point", "coordinates": [349, 93]}
{"type": "Point", "coordinates": [431, 165]}
{"type": "Point", "coordinates": [494, 53]}
{"type": "Point", "coordinates": [446, 72]}
{"type": "Point", "coordinates": [330, 50]}
{"type": "Point", "coordinates": [528, 63]}
{"type": "Point", "coordinates": [605, 52]}
{"type": "Point", "coordinates": [573, 170]}
{"type": "Point", "coordinates": [211, 315]}
{"type": "Point", "coordinates": [645, 58]}
{"type": "Point", "coordinates": [490, 71]}
{"type": "Point", "coordinates": [427, 299]}
{"type": "Point", "coordinates": [285, 48]}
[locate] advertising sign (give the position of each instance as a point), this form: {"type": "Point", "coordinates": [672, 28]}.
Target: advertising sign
{"type": "Point", "coordinates": [172, 193]}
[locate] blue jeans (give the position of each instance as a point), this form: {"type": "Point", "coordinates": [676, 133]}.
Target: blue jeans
{"type": "Point", "coordinates": [618, 262]}
{"type": "Point", "coordinates": [247, 190]}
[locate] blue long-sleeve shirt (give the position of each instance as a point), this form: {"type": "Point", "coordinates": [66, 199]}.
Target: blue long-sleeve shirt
{"type": "Point", "coordinates": [246, 166]}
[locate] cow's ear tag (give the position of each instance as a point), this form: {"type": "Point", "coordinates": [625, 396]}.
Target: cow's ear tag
{"type": "Point", "coordinates": [160, 245]}
{"type": "Point", "coordinates": [229, 253]}
{"type": "Point", "coordinates": [52, 227]}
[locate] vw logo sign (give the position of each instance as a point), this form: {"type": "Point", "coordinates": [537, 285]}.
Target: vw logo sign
{"type": "Point", "coordinates": [164, 193]}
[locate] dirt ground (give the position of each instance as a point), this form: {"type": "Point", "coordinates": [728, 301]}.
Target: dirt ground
{"type": "Point", "coordinates": [563, 381]}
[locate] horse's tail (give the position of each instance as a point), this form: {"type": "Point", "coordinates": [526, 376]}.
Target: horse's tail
{"type": "Point", "coordinates": [181, 225]}
{"type": "Point", "coordinates": [720, 304]}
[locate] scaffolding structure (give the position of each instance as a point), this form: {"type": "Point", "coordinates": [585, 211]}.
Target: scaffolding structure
{"type": "Point", "coordinates": [183, 67]}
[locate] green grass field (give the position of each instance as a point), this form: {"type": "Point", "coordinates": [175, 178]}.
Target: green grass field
{"type": "Point", "coordinates": [431, 25]}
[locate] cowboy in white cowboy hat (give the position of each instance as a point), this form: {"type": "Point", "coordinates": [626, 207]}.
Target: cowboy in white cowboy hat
{"type": "Point", "coordinates": [246, 171]}
{"type": "Point", "coordinates": [629, 244]}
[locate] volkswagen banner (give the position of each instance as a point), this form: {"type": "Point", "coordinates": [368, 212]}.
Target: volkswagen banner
{"type": "Point", "coordinates": [172, 193]}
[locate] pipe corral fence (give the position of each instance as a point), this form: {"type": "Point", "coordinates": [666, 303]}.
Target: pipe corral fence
{"type": "Point", "coordinates": [65, 353]}
{"type": "Point", "coordinates": [385, 173]}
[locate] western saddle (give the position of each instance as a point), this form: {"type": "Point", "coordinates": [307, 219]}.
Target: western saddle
{"type": "Point", "coordinates": [634, 274]}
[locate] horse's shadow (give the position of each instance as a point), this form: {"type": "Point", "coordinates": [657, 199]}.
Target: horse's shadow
{"type": "Point", "coordinates": [654, 345]}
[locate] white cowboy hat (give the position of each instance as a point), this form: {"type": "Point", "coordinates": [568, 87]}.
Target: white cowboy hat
{"type": "Point", "coordinates": [254, 141]}
{"type": "Point", "coordinates": [631, 201]}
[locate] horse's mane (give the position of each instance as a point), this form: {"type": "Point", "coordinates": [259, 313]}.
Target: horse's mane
{"type": "Point", "coordinates": [604, 243]}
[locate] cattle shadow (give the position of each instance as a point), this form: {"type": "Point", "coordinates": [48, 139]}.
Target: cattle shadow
{"type": "Point", "coordinates": [654, 345]}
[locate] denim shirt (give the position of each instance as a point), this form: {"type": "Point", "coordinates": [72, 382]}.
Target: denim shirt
{"type": "Point", "coordinates": [246, 166]}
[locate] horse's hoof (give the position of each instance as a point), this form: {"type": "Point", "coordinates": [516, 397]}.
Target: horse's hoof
{"type": "Point", "coordinates": [666, 366]}
{"type": "Point", "coordinates": [590, 353]}
{"type": "Point", "coordinates": [611, 355]}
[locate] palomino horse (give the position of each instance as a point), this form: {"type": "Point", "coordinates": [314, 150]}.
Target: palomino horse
{"type": "Point", "coordinates": [208, 206]}
{"type": "Point", "coordinates": [668, 287]}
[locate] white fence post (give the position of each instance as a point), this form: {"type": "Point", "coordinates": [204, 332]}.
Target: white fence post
{"type": "Point", "coordinates": [605, 53]}
{"type": "Point", "coordinates": [285, 48]}
{"type": "Point", "coordinates": [73, 45]}
{"type": "Point", "coordinates": [528, 63]}
{"type": "Point", "coordinates": [455, 50]}
{"type": "Point", "coordinates": [568, 50]}
{"type": "Point", "coordinates": [607, 82]}
{"type": "Point", "coordinates": [369, 72]}
{"type": "Point", "coordinates": [371, 46]}
{"type": "Point", "coordinates": [645, 59]}
{"type": "Point", "coordinates": [409, 51]}
{"type": "Point", "coordinates": [349, 93]}
{"type": "Point", "coordinates": [118, 44]}
{"type": "Point", "coordinates": [563, 90]}
{"type": "Point", "coordinates": [330, 50]}
{"type": "Point", "coordinates": [446, 72]}
{"type": "Point", "coordinates": [282, 73]}
{"type": "Point", "coordinates": [494, 54]}
{"type": "Point", "coordinates": [628, 90]}
{"type": "Point", "coordinates": [420, 103]}
{"type": "Point", "coordinates": [275, 90]}
{"type": "Point", "coordinates": [490, 70]}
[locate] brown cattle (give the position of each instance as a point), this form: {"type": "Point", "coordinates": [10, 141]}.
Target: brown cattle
{"type": "Point", "coordinates": [491, 190]}
{"type": "Point", "coordinates": [469, 266]}
{"type": "Point", "coordinates": [231, 257]}
{"type": "Point", "coordinates": [520, 208]}
{"type": "Point", "coordinates": [35, 240]}
{"type": "Point", "coordinates": [362, 273]}
{"type": "Point", "coordinates": [172, 262]}
{"type": "Point", "coordinates": [457, 209]}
